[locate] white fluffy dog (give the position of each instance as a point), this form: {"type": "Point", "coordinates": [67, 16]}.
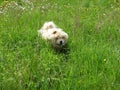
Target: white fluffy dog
{"type": "Point", "coordinates": [56, 36]}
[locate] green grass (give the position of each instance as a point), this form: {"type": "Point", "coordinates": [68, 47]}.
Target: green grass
{"type": "Point", "coordinates": [92, 57]}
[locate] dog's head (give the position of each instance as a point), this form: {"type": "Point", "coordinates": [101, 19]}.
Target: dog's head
{"type": "Point", "coordinates": [57, 37]}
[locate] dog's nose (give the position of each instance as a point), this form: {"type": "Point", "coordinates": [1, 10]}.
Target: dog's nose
{"type": "Point", "coordinates": [61, 42]}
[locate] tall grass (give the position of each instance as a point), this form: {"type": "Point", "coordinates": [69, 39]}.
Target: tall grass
{"type": "Point", "coordinates": [90, 61]}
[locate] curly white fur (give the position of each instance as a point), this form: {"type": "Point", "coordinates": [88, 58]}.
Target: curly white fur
{"type": "Point", "coordinates": [56, 36]}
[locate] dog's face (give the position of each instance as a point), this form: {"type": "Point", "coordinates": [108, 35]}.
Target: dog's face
{"type": "Point", "coordinates": [58, 38]}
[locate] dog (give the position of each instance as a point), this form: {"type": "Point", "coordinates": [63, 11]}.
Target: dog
{"type": "Point", "coordinates": [56, 36]}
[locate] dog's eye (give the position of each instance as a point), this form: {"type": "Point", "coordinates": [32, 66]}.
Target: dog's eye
{"type": "Point", "coordinates": [56, 38]}
{"type": "Point", "coordinates": [54, 32]}
{"type": "Point", "coordinates": [63, 37]}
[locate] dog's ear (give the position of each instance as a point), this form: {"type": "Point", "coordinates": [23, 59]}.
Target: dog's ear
{"type": "Point", "coordinates": [50, 26]}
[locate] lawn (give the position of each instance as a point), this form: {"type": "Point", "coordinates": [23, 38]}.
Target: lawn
{"type": "Point", "coordinates": [90, 60]}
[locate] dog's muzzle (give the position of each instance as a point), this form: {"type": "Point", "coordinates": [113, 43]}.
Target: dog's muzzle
{"type": "Point", "coordinates": [60, 42]}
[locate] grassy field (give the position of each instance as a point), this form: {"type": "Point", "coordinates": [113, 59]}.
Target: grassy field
{"type": "Point", "coordinates": [91, 60]}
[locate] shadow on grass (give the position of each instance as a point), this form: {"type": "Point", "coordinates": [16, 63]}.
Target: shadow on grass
{"type": "Point", "coordinates": [64, 52]}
